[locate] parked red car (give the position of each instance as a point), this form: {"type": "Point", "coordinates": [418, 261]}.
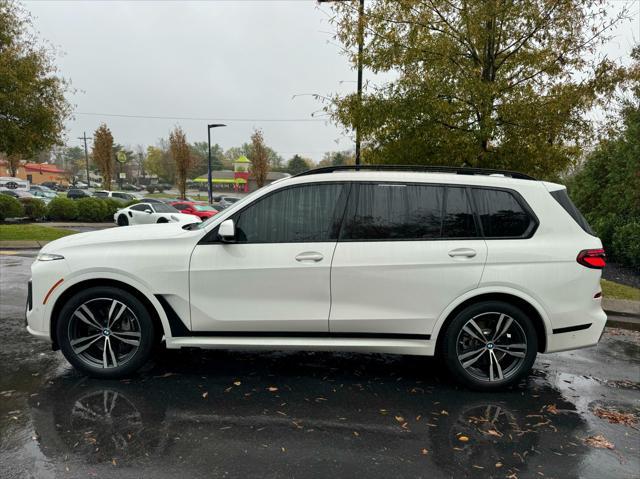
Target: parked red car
{"type": "Point", "coordinates": [202, 211]}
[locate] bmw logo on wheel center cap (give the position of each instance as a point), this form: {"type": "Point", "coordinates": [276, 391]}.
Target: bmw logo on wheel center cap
{"type": "Point", "coordinates": [489, 345]}
{"type": "Point", "coordinates": [106, 332]}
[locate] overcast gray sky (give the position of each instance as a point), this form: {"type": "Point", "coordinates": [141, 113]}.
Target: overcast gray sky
{"type": "Point", "coordinates": [217, 60]}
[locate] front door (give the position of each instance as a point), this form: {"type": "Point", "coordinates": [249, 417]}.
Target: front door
{"type": "Point", "coordinates": [275, 276]}
{"type": "Point", "coordinates": [406, 251]}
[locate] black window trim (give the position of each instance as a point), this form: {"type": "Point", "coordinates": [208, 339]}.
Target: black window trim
{"type": "Point", "coordinates": [352, 190]}
{"type": "Point", "coordinates": [336, 227]}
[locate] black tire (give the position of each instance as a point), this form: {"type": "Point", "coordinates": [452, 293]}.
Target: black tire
{"type": "Point", "coordinates": [162, 220]}
{"type": "Point", "coordinates": [486, 314]}
{"type": "Point", "coordinates": [135, 316]}
{"type": "Point", "coordinates": [123, 220]}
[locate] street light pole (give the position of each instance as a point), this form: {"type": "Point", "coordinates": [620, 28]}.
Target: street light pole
{"type": "Point", "coordinates": [209, 178]}
{"type": "Point", "coordinates": [86, 157]}
{"type": "Point", "coordinates": [360, 52]}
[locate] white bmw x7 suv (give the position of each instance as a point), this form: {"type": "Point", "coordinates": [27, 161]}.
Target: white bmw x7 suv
{"type": "Point", "coordinates": [480, 268]}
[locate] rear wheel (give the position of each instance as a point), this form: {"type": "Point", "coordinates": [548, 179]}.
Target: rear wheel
{"type": "Point", "coordinates": [123, 220]}
{"type": "Point", "coordinates": [490, 345]}
{"type": "Point", "coordinates": [105, 332]}
{"type": "Point", "coordinates": [162, 220]}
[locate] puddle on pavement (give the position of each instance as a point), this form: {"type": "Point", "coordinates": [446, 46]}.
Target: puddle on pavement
{"type": "Point", "coordinates": [335, 414]}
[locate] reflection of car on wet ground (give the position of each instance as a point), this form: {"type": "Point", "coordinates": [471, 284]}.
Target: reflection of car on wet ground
{"type": "Point", "coordinates": [484, 269]}
{"type": "Point", "coordinates": [148, 213]}
{"type": "Point", "coordinates": [329, 413]}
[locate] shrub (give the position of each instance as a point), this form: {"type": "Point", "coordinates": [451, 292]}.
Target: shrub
{"type": "Point", "coordinates": [151, 188]}
{"type": "Point", "coordinates": [92, 209]}
{"type": "Point", "coordinates": [10, 207]}
{"type": "Point", "coordinates": [111, 206]}
{"type": "Point", "coordinates": [34, 208]}
{"type": "Point", "coordinates": [605, 226]}
{"type": "Point", "coordinates": [62, 208]}
{"type": "Point", "coordinates": [626, 243]}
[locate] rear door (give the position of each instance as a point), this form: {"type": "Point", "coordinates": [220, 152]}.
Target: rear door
{"type": "Point", "coordinates": [405, 252]}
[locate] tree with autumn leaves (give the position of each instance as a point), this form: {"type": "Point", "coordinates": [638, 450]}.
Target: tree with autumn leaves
{"type": "Point", "coordinates": [181, 154]}
{"type": "Point", "coordinates": [482, 83]}
{"type": "Point", "coordinates": [103, 154]}
{"type": "Point", "coordinates": [259, 158]}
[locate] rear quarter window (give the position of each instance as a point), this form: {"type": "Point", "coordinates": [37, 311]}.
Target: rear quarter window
{"type": "Point", "coordinates": [502, 215]}
{"type": "Point", "coordinates": [562, 197]}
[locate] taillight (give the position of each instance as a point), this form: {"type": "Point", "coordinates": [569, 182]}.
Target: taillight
{"type": "Point", "coordinates": [592, 258]}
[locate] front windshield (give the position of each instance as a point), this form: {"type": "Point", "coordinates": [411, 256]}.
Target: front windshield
{"type": "Point", "coordinates": [162, 208]}
{"type": "Point", "coordinates": [204, 208]}
{"type": "Point", "coordinates": [232, 208]}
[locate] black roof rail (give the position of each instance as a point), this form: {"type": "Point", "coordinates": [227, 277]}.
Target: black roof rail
{"type": "Point", "coordinates": [418, 168]}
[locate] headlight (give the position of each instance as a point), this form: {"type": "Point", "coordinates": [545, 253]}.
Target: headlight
{"type": "Point", "coordinates": [48, 257]}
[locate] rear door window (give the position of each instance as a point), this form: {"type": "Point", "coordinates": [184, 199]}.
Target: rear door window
{"type": "Point", "coordinates": [502, 215]}
{"type": "Point", "coordinates": [458, 221]}
{"type": "Point", "coordinates": [388, 212]}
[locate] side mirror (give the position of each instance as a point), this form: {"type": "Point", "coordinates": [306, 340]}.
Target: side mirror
{"type": "Point", "coordinates": [148, 211]}
{"type": "Point", "coordinates": [227, 231]}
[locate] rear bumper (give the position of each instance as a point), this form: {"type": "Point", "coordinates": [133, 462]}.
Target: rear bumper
{"type": "Point", "coordinates": [563, 339]}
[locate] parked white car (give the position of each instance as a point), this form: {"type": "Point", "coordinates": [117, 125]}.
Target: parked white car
{"type": "Point", "coordinates": [148, 213]}
{"type": "Point", "coordinates": [482, 269]}
{"type": "Point", "coordinates": [115, 195]}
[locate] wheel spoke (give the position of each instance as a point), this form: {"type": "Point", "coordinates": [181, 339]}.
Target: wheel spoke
{"type": "Point", "coordinates": [88, 319]}
{"type": "Point", "coordinates": [113, 356]}
{"type": "Point", "coordinates": [473, 335]}
{"type": "Point", "coordinates": [506, 326]}
{"type": "Point", "coordinates": [494, 360]}
{"type": "Point", "coordinates": [495, 333]}
{"type": "Point", "coordinates": [86, 346]}
{"type": "Point", "coordinates": [122, 309]}
{"type": "Point", "coordinates": [478, 329]}
{"type": "Point", "coordinates": [516, 354]}
{"type": "Point", "coordinates": [104, 354]}
{"type": "Point", "coordinates": [470, 353]}
{"type": "Point", "coordinates": [132, 342]}
{"type": "Point", "coordinates": [471, 361]}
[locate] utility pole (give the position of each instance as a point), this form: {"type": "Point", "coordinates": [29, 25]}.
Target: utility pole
{"type": "Point", "coordinates": [360, 51]}
{"type": "Point", "coordinates": [86, 157]}
{"type": "Point", "coordinates": [209, 178]}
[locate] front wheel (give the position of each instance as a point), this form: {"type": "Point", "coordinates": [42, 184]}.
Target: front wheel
{"type": "Point", "coordinates": [123, 220]}
{"type": "Point", "coordinates": [490, 345]}
{"type": "Point", "coordinates": [105, 332]}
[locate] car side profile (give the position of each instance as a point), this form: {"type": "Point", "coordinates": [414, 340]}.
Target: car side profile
{"type": "Point", "coordinates": [483, 269]}
{"type": "Point", "coordinates": [202, 211]}
{"type": "Point", "coordinates": [149, 213]}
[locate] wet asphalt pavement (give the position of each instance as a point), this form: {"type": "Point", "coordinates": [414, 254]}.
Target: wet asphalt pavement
{"type": "Point", "coordinates": [199, 414]}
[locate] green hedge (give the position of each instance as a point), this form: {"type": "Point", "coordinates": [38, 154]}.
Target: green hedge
{"type": "Point", "coordinates": [62, 208]}
{"type": "Point", "coordinates": [92, 209]}
{"type": "Point", "coordinates": [34, 208]}
{"type": "Point", "coordinates": [10, 207]}
{"type": "Point", "coordinates": [626, 243]}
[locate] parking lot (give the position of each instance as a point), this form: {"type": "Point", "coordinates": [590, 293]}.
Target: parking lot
{"type": "Point", "coordinates": [249, 414]}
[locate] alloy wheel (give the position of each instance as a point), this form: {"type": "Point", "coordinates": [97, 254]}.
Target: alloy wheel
{"type": "Point", "coordinates": [491, 346]}
{"type": "Point", "coordinates": [104, 332]}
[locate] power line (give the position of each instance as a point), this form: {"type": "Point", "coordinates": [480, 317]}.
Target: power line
{"type": "Point", "coordinates": [188, 118]}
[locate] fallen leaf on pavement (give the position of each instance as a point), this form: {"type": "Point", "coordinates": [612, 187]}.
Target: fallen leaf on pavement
{"type": "Point", "coordinates": [552, 409]}
{"type": "Point", "coordinates": [205, 394]}
{"type": "Point", "coordinates": [424, 452]}
{"type": "Point", "coordinates": [615, 417]}
{"type": "Point", "coordinates": [237, 383]}
{"type": "Point", "coordinates": [598, 441]}
{"type": "Point", "coordinates": [272, 389]}
{"type": "Point", "coordinates": [463, 439]}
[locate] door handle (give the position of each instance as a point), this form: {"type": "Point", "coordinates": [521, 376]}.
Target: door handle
{"type": "Point", "coordinates": [309, 256]}
{"type": "Point", "coordinates": [462, 252]}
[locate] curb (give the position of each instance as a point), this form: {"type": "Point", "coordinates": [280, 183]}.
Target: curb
{"type": "Point", "coordinates": [622, 322]}
{"type": "Point", "coordinates": [22, 244]}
